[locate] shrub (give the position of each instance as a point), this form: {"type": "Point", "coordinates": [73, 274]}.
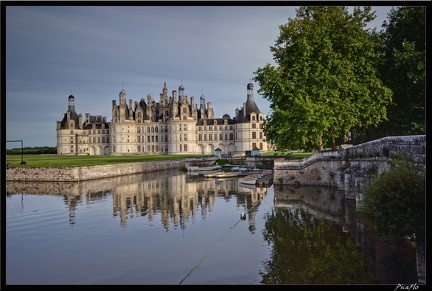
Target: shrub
{"type": "Point", "coordinates": [394, 203]}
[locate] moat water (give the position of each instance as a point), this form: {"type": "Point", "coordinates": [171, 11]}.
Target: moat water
{"type": "Point", "coordinates": [171, 228]}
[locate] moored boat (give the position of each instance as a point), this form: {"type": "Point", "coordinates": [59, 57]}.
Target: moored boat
{"type": "Point", "coordinates": [248, 181]}
{"type": "Point", "coordinates": [210, 168]}
{"type": "Point", "coordinates": [225, 174]}
{"type": "Point", "coordinates": [239, 169]}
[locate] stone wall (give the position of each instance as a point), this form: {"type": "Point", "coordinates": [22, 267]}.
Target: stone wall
{"type": "Point", "coordinates": [411, 145]}
{"type": "Point", "coordinates": [349, 168]}
{"type": "Point", "coordinates": [69, 174]}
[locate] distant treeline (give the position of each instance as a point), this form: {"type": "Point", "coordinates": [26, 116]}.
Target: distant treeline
{"type": "Point", "coordinates": [34, 150]}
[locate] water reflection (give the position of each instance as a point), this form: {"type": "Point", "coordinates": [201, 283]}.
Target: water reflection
{"type": "Point", "coordinates": [174, 196]}
{"type": "Point", "coordinates": [316, 237]}
{"type": "Point", "coordinates": [306, 235]}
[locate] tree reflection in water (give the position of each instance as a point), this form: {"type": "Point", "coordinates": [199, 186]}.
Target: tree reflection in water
{"type": "Point", "coordinates": [307, 250]}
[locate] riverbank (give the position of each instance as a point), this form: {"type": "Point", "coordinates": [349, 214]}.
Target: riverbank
{"type": "Point", "coordinates": [75, 174]}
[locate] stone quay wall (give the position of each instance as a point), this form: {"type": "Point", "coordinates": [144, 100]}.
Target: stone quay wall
{"type": "Point", "coordinates": [70, 174]}
{"type": "Point", "coordinates": [349, 168]}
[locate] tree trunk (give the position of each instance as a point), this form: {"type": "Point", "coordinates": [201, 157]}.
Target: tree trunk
{"type": "Point", "coordinates": [320, 143]}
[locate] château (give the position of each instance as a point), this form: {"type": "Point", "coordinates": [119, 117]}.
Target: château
{"type": "Point", "coordinates": [173, 125]}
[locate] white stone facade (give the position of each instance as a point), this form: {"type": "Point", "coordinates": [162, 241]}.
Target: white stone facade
{"type": "Point", "coordinates": [174, 125]}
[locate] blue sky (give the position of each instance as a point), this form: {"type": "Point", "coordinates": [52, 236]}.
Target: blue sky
{"type": "Point", "coordinates": [93, 52]}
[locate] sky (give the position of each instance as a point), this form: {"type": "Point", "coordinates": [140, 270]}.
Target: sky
{"type": "Point", "coordinates": [93, 52]}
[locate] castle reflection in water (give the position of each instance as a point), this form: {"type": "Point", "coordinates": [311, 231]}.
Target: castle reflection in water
{"type": "Point", "coordinates": [173, 195]}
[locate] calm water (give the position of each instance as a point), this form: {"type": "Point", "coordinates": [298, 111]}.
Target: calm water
{"type": "Point", "coordinates": [168, 227]}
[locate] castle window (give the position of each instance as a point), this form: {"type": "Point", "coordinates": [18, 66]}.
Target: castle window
{"type": "Point", "coordinates": [181, 146]}
{"type": "Point", "coordinates": [253, 135]}
{"type": "Point", "coordinates": [184, 117]}
{"type": "Point", "coordinates": [157, 138]}
{"type": "Point", "coordinates": [205, 137]}
{"type": "Point", "coordinates": [199, 137]}
{"type": "Point", "coordinates": [185, 147]}
{"type": "Point", "coordinates": [253, 117]}
{"type": "Point", "coordinates": [226, 136]}
{"type": "Point", "coordinates": [215, 136]}
{"type": "Point", "coordinates": [185, 127]}
{"type": "Point", "coordinates": [221, 136]}
{"type": "Point", "coordinates": [210, 137]}
{"type": "Point", "coordinates": [253, 125]}
{"type": "Point", "coordinates": [231, 136]}
{"type": "Point", "coordinates": [261, 135]}
{"type": "Point", "coordinates": [185, 137]}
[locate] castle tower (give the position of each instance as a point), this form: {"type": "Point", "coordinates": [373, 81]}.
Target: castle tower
{"type": "Point", "coordinates": [202, 107]}
{"type": "Point", "coordinates": [71, 106]}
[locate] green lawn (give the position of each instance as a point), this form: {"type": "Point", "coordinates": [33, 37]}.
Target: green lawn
{"type": "Point", "coordinates": [295, 155]}
{"type": "Point", "coordinates": [34, 161]}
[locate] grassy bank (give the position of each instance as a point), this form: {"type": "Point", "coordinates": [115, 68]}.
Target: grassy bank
{"type": "Point", "coordinates": [35, 161]}
{"type": "Point", "coordinates": [53, 160]}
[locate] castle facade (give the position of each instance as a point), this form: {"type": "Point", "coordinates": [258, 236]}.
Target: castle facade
{"type": "Point", "coordinates": [174, 125]}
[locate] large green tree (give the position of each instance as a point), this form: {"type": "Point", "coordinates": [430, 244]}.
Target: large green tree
{"type": "Point", "coordinates": [403, 71]}
{"type": "Point", "coordinates": [325, 82]}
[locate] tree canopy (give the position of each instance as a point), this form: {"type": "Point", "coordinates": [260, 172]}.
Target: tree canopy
{"type": "Point", "coordinates": [325, 82]}
{"type": "Point", "coordinates": [403, 71]}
